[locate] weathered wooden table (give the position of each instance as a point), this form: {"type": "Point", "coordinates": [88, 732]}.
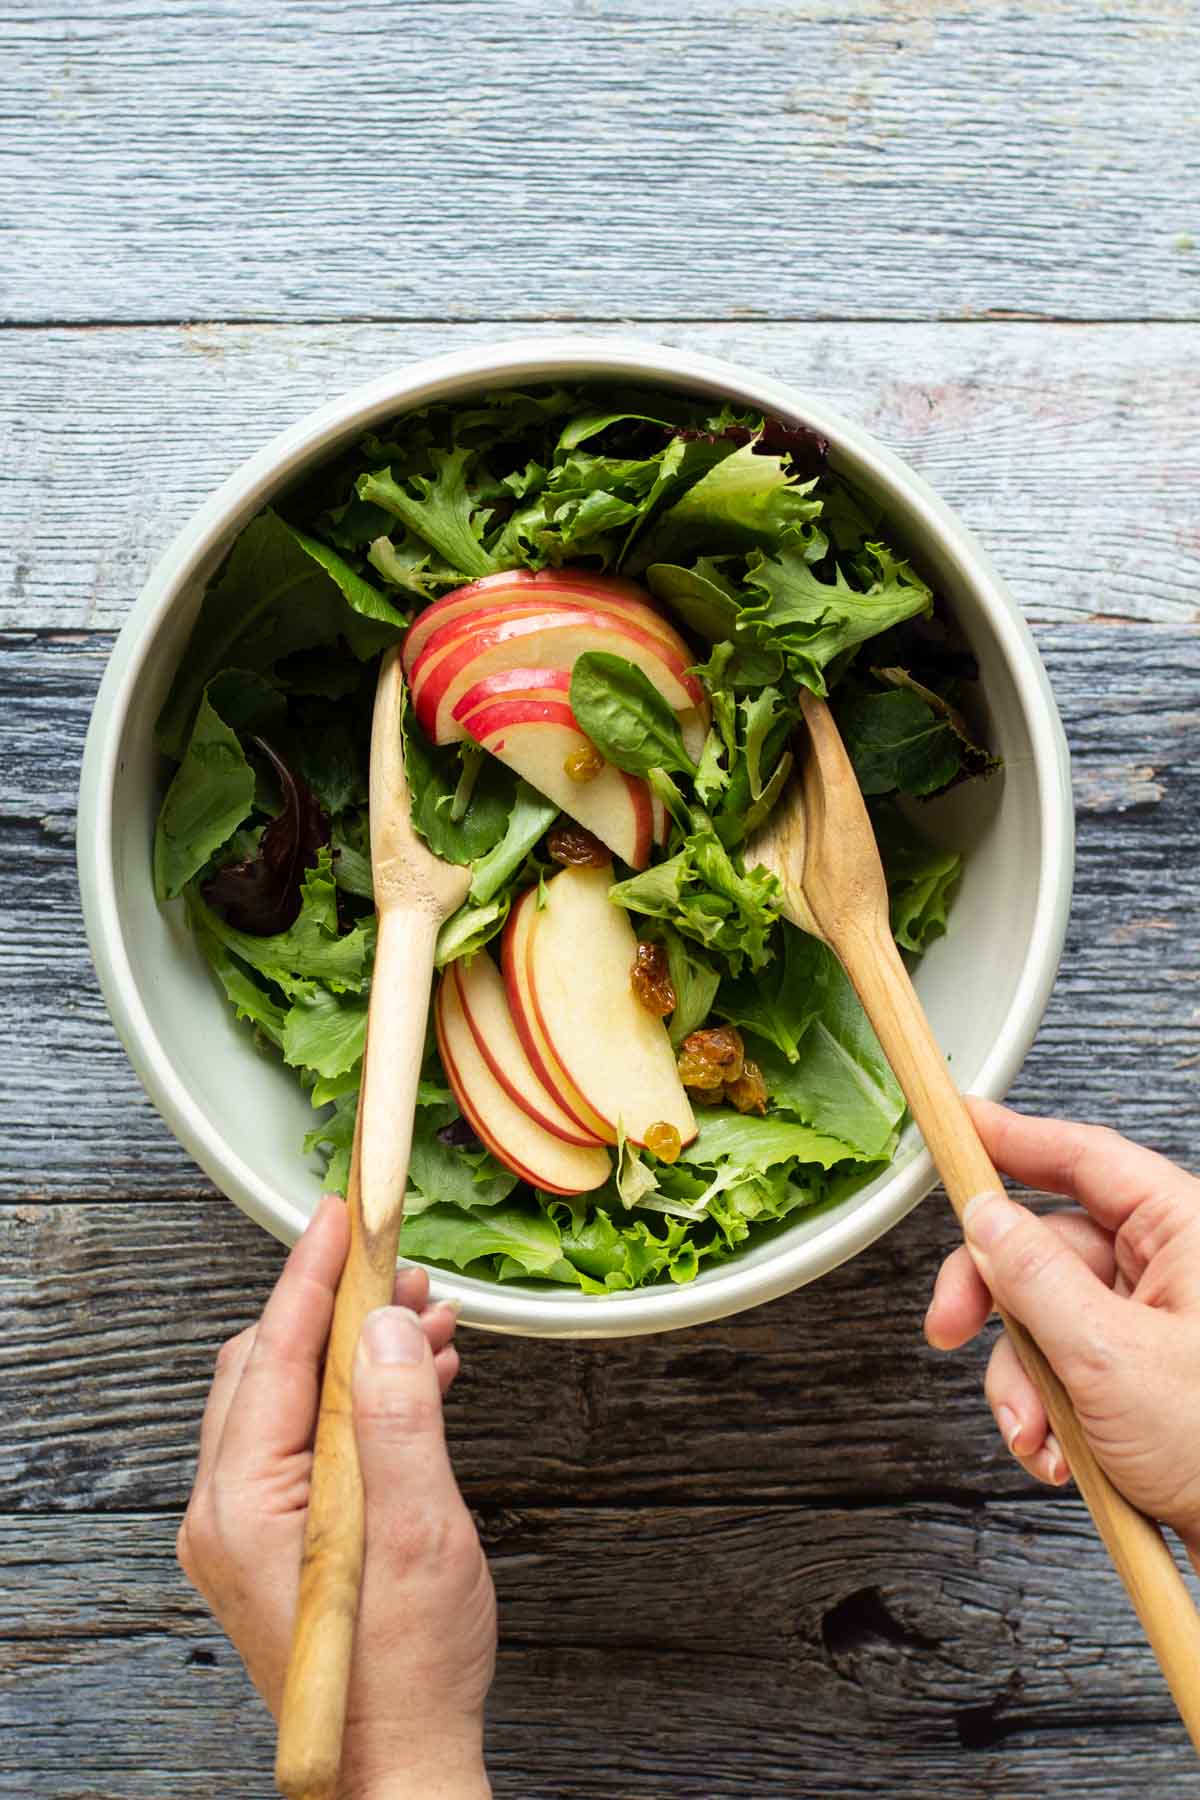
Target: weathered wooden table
{"type": "Point", "coordinates": [782, 1555]}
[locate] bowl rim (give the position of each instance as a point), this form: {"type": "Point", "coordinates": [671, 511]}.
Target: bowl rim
{"type": "Point", "coordinates": [728, 1288]}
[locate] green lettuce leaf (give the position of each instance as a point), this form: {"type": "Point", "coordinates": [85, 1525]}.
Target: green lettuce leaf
{"type": "Point", "coordinates": [324, 1031]}
{"type": "Point", "coordinates": [813, 620]}
{"type": "Point", "coordinates": [211, 794]}
{"type": "Point", "coordinates": [748, 501]}
{"type": "Point", "coordinates": [280, 591]}
{"type": "Point", "coordinates": [753, 1143]}
{"type": "Point", "coordinates": [896, 741]}
{"type": "Point", "coordinates": [920, 877]}
{"type": "Point", "coordinates": [524, 1235]}
{"type": "Point", "coordinates": [439, 509]}
{"type": "Point", "coordinates": [250, 1000]}
{"type": "Point", "coordinates": [704, 896]}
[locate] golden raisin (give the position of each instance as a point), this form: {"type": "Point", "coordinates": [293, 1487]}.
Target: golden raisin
{"type": "Point", "coordinates": [663, 1141]}
{"type": "Point", "coordinates": [651, 977]}
{"type": "Point", "coordinates": [710, 1059]}
{"type": "Point", "coordinates": [583, 764]}
{"type": "Point", "coordinates": [572, 845]}
{"type": "Point", "coordinates": [749, 1092]}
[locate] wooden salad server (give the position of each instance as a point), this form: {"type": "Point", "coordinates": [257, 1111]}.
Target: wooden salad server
{"type": "Point", "coordinates": [414, 892]}
{"type": "Point", "coordinates": [820, 845]}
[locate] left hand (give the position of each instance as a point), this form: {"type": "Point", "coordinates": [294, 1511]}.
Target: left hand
{"type": "Point", "coordinates": [426, 1632]}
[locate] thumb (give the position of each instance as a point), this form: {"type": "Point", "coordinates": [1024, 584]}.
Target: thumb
{"type": "Point", "coordinates": [1035, 1275]}
{"type": "Point", "coordinates": [398, 1418]}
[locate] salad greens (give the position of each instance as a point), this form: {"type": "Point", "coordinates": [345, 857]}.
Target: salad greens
{"type": "Point", "coordinates": [781, 578]}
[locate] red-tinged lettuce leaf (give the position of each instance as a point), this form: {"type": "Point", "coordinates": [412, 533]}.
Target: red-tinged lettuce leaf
{"type": "Point", "coordinates": [261, 894]}
{"type": "Point", "coordinates": [313, 948]}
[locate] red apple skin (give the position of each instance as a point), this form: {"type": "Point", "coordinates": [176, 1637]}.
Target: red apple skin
{"type": "Point", "coordinates": [494, 726]}
{"type": "Point", "coordinates": [543, 1118]}
{"type": "Point", "coordinates": [440, 666]}
{"type": "Point", "coordinates": [511, 684]}
{"type": "Point", "coordinates": [521, 586]}
{"type": "Point", "coordinates": [469, 1113]}
{"type": "Point", "coordinates": [512, 964]}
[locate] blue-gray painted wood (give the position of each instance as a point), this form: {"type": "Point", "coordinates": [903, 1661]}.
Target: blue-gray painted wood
{"type": "Point", "coordinates": [612, 159]}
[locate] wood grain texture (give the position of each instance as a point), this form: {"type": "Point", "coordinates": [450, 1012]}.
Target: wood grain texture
{"type": "Point", "coordinates": [947, 1652]}
{"type": "Point", "coordinates": [610, 159]}
{"type": "Point", "coordinates": [1067, 450]}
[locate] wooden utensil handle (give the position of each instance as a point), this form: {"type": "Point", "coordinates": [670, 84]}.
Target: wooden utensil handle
{"type": "Point", "coordinates": [312, 1717]}
{"type": "Point", "coordinates": [1155, 1586]}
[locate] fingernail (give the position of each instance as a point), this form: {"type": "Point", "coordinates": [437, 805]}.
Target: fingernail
{"type": "Point", "coordinates": [392, 1334]}
{"type": "Point", "coordinates": [1055, 1460]}
{"type": "Point", "coordinates": [987, 1218]}
{"type": "Point", "coordinates": [1010, 1426]}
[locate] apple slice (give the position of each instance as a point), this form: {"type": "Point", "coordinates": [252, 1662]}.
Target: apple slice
{"type": "Point", "coordinates": [481, 995]}
{"type": "Point", "coordinates": [537, 738]}
{"type": "Point", "coordinates": [517, 587]}
{"type": "Point", "coordinates": [472, 649]}
{"type": "Point", "coordinates": [580, 953]}
{"type": "Point", "coordinates": [513, 684]}
{"type": "Point", "coordinates": [514, 963]}
{"type": "Point", "coordinates": [518, 1141]}
{"type": "Point", "coordinates": [660, 819]}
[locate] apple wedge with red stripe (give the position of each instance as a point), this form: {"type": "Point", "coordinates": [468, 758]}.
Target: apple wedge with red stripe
{"type": "Point", "coordinates": [508, 1131]}
{"type": "Point", "coordinates": [519, 588]}
{"type": "Point", "coordinates": [541, 741]}
{"type": "Point", "coordinates": [568, 972]}
{"type": "Point", "coordinates": [485, 1007]}
{"type": "Point", "coordinates": [473, 648]}
{"type": "Point", "coordinates": [514, 964]}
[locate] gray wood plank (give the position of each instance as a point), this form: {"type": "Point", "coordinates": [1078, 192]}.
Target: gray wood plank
{"type": "Point", "coordinates": [612, 159]}
{"type": "Point", "coordinates": [1071, 451]}
{"type": "Point", "coordinates": [707, 1653]}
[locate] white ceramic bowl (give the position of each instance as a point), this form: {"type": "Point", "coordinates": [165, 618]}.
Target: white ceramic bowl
{"type": "Point", "coordinates": [242, 1117]}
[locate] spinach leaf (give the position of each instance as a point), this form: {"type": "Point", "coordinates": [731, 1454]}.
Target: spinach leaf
{"type": "Point", "coordinates": [625, 716]}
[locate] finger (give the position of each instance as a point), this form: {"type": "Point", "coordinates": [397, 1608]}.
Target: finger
{"type": "Point", "coordinates": [398, 1418]}
{"type": "Point", "coordinates": [1103, 1171]}
{"type": "Point", "coordinates": [1015, 1402]}
{"type": "Point", "coordinates": [447, 1364]}
{"type": "Point", "coordinates": [411, 1288]}
{"type": "Point", "coordinates": [231, 1361]}
{"type": "Point", "coordinates": [1037, 1276]}
{"type": "Point", "coordinates": [962, 1302]}
{"type": "Point", "coordinates": [439, 1323]}
{"type": "Point", "coordinates": [276, 1403]}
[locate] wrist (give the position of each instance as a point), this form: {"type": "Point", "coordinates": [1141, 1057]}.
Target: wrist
{"type": "Point", "coordinates": [434, 1766]}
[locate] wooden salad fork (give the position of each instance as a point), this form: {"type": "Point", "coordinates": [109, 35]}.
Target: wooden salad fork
{"type": "Point", "coordinates": [820, 845]}
{"type": "Point", "coordinates": [414, 892]}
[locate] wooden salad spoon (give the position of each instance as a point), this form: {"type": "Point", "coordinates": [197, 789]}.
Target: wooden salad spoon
{"type": "Point", "coordinates": [820, 845]}
{"type": "Point", "coordinates": [414, 892]}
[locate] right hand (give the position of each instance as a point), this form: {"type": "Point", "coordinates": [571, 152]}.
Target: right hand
{"type": "Point", "coordinates": [1111, 1293]}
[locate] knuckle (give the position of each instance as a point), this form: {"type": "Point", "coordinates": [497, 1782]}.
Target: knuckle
{"type": "Point", "coordinates": [397, 1418]}
{"type": "Point", "coordinates": [231, 1350]}
{"type": "Point", "coordinates": [1093, 1356]}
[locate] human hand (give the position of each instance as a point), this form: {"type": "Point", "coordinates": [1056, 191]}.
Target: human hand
{"type": "Point", "coordinates": [425, 1639]}
{"type": "Point", "coordinates": [1110, 1292]}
